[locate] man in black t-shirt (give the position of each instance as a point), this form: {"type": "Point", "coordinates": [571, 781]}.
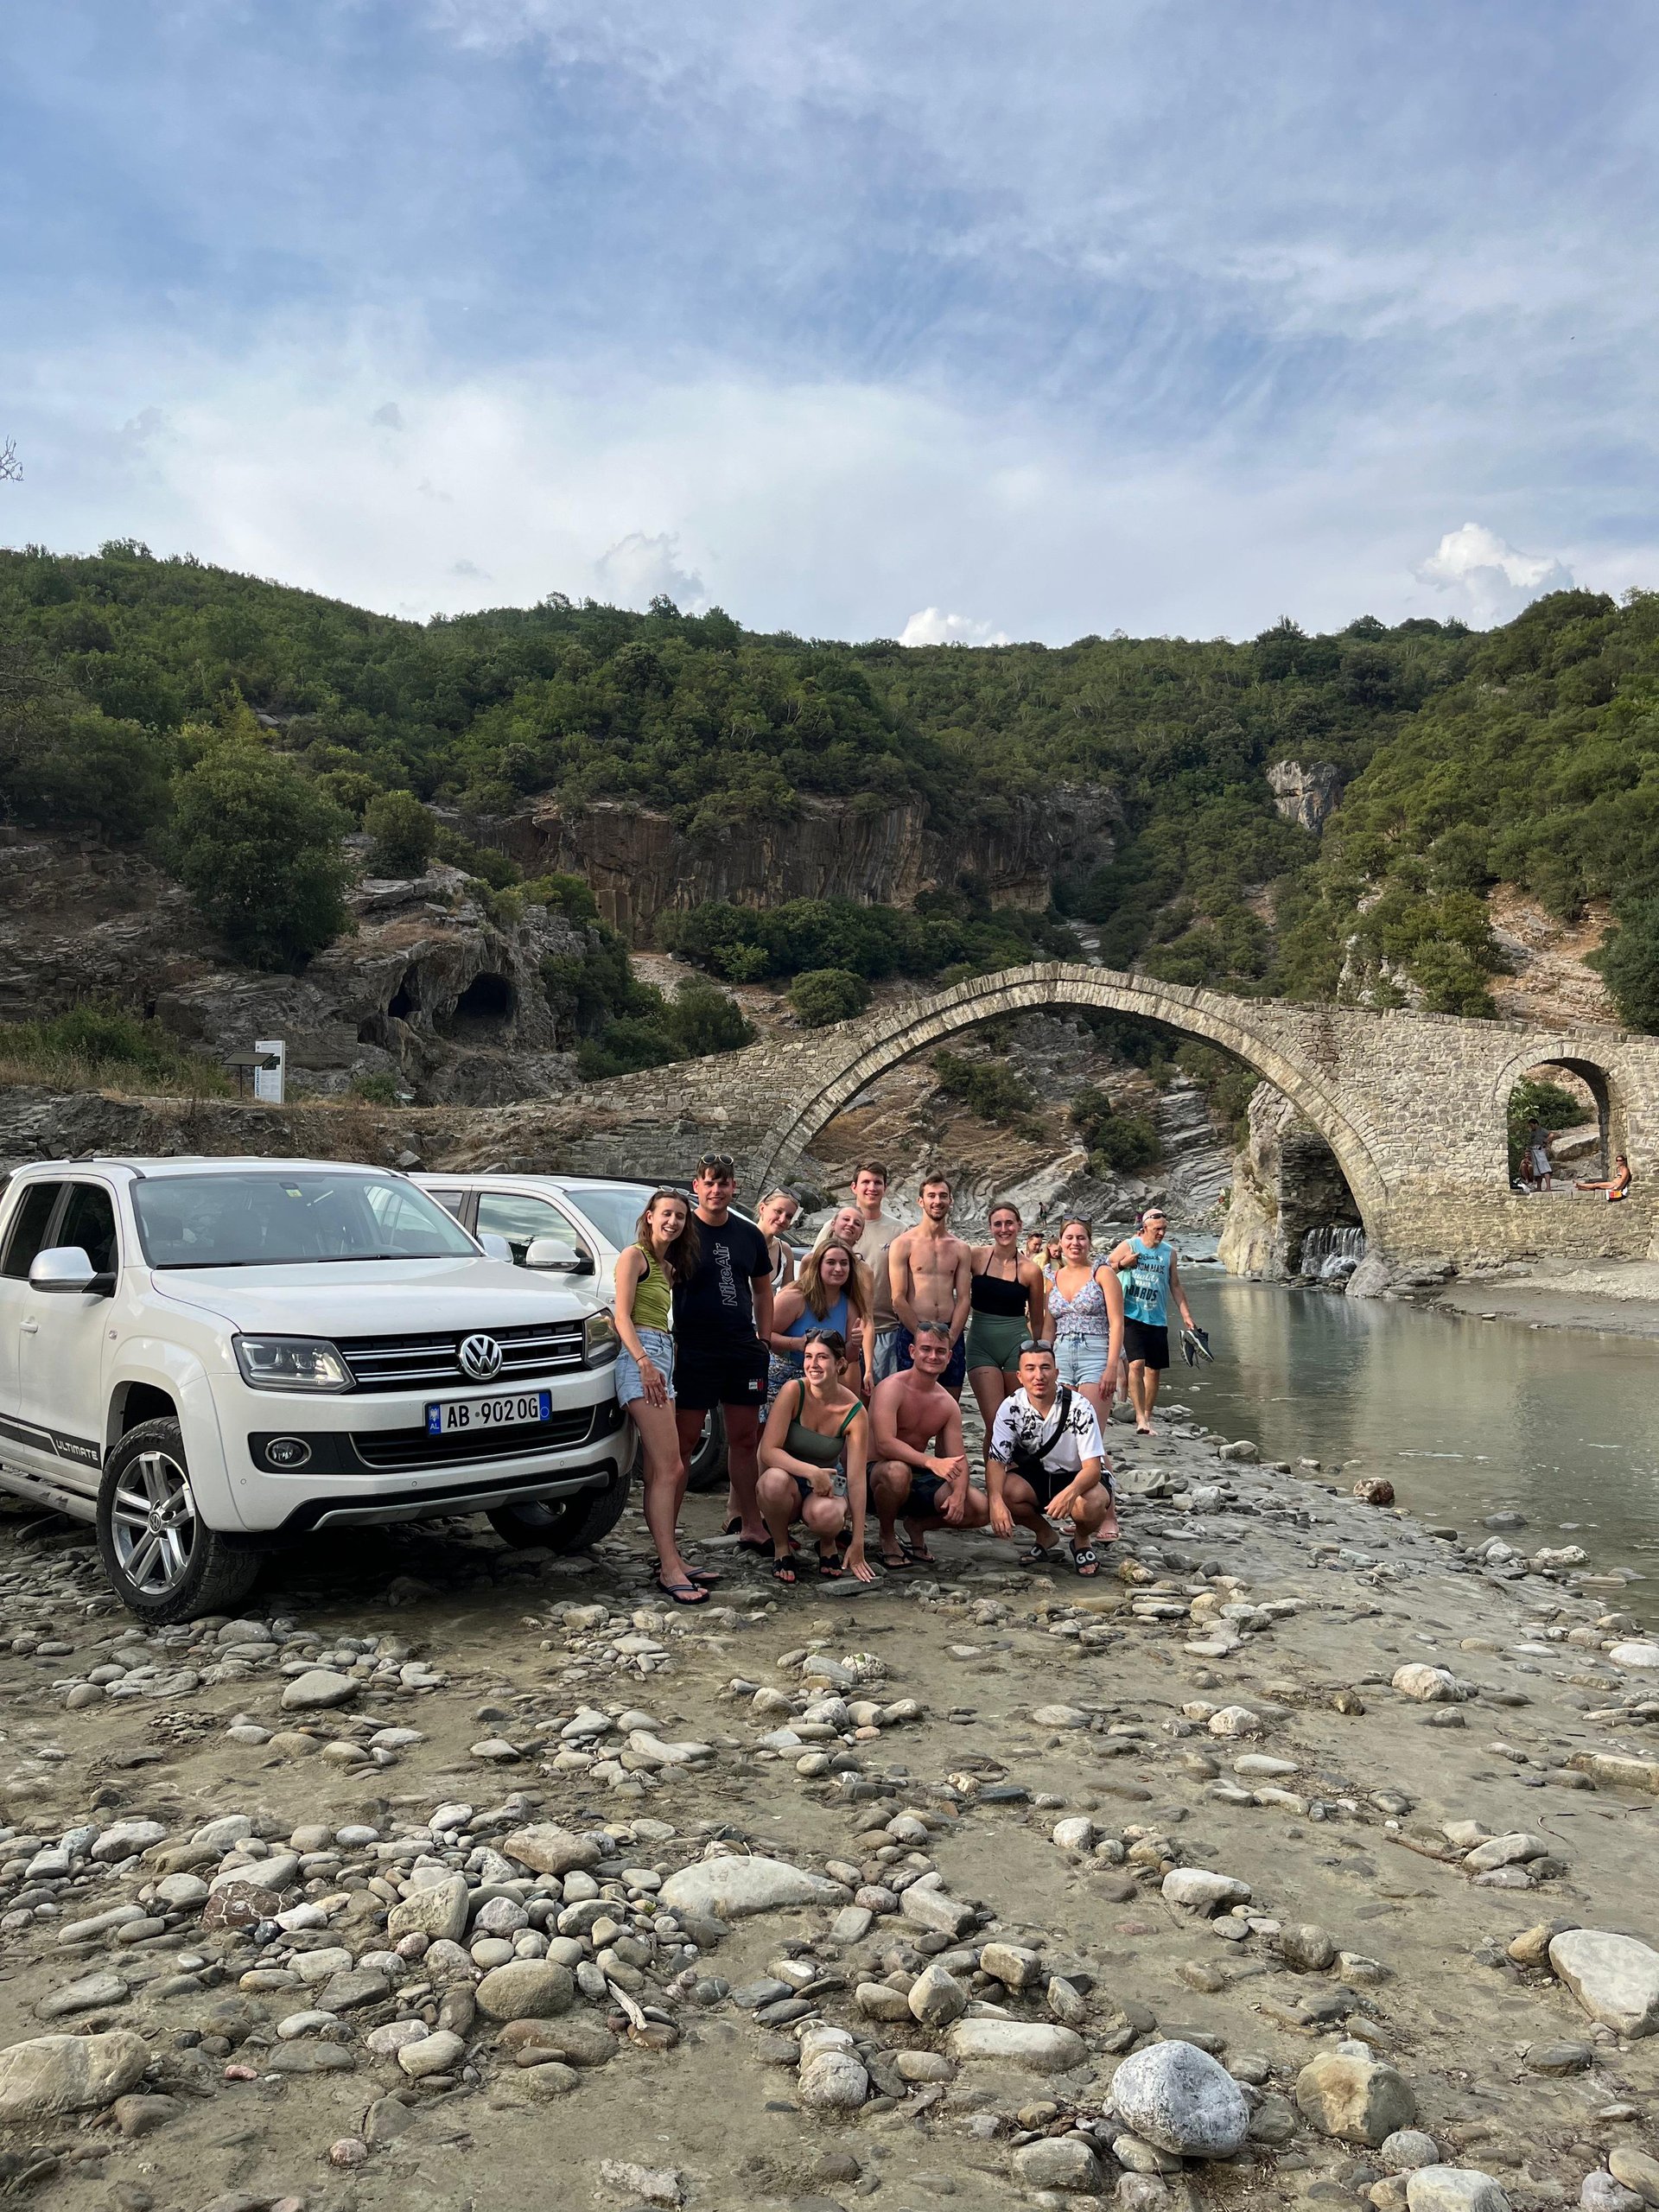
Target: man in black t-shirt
{"type": "Point", "coordinates": [723, 1316]}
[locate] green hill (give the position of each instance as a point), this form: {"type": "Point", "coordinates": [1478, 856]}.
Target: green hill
{"type": "Point", "coordinates": [1526, 752]}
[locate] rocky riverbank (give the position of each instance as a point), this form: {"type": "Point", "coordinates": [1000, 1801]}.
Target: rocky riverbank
{"type": "Point", "coordinates": [1302, 1855]}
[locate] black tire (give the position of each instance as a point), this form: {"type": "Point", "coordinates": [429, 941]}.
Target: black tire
{"type": "Point", "coordinates": [708, 1469]}
{"type": "Point", "coordinates": [564, 1524]}
{"type": "Point", "coordinates": [163, 1562]}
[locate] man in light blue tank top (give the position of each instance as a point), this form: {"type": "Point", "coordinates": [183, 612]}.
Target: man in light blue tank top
{"type": "Point", "coordinates": [1152, 1274]}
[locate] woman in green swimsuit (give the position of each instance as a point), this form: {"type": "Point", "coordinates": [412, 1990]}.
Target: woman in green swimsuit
{"type": "Point", "coordinates": [813, 1458]}
{"type": "Point", "coordinates": [1008, 1303]}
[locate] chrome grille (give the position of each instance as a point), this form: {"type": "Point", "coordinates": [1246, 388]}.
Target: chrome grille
{"type": "Point", "coordinates": [389, 1450]}
{"type": "Point", "coordinates": [433, 1362]}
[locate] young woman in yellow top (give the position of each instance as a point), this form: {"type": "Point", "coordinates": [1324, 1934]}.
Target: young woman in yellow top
{"type": "Point", "coordinates": [663, 1254]}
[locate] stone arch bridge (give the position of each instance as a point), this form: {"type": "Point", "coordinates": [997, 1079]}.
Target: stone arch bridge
{"type": "Point", "coordinates": [1412, 1105]}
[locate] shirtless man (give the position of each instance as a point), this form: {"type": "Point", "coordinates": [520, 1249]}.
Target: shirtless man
{"type": "Point", "coordinates": [918, 1466]}
{"type": "Point", "coordinates": [931, 1273]}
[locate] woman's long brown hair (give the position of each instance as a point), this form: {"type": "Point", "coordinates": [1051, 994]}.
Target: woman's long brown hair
{"type": "Point", "coordinates": [682, 1255]}
{"type": "Point", "coordinates": [816, 1293]}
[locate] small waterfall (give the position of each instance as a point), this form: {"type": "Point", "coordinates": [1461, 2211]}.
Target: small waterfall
{"type": "Point", "coordinates": [1331, 1254]}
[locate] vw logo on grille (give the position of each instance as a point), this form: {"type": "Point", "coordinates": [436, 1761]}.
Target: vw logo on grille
{"type": "Point", "coordinates": [480, 1357]}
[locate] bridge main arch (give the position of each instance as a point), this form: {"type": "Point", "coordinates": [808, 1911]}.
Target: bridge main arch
{"type": "Point", "coordinates": [1245, 1027]}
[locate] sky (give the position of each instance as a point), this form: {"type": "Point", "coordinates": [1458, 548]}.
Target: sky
{"type": "Point", "coordinates": [936, 319]}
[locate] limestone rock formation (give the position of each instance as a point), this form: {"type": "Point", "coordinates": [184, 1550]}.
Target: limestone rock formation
{"type": "Point", "coordinates": [1306, 793]}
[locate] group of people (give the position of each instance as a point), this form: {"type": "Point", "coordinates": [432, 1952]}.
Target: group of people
{"type": "Point", "coordinates": [840, 1379]}
{"type": "Point", "coordinates": [1537, 1170]}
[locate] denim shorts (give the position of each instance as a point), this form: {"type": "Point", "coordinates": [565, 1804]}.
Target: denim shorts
{"type": "Point", "coordinates": [660, 1345]}
{"type": "Point", "coordinates": [1081, 1359]}
{"type": "Point", "coordinates": [884, 1361]}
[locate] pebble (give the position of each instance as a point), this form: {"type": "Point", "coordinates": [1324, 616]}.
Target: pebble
{"type": "Point", "coordinates": [317, 1688]}
{"type": "Point", "coordinates": [1615, 1978]}
{"type": "Point", "coordinates": [732, 1888]}
{"type": "Point", "coordinates": [1454, 2189]}
{"type": "Point", "coordinates": [1357, 2099]}
{"type": "Point", "coordinates": [1179, 2098]}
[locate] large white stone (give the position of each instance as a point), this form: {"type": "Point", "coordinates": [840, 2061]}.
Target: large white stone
{"type": "Point", "coordinates": [1201, 1891]}
{"type": "Point", "coordinates": [1454, 2189]}
{"type": "Point", "coordinates": [833, 2081]}
{"type": "Point", "coordinates": [1512, 1850]}
{"type": "Point", "coordinates": [1428, 1685]}
{"type": "Point", "coordinates": [55, 2074]}
{"type": "Point", "coordinates": [1031, 2044]}
{"type": "Point", "coordinates": [1615, 1978]}
{"type": "Point", "coordinates": [1178, 2097]}
{"type": "Point", "coordinates": [729, 1888]}
{"type": "Point", "coordinates": [317, 1688]}
{"type": "Point", "coordinates": [1635, 1654]}
{"type": "Point", "coordinates": [438, 1910]}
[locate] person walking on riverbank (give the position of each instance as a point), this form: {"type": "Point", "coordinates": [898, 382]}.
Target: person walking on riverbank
{"type": "Point", "coordinates": [831, 1292]}
{"type": "Point", "coordinates": [919, 1464]}
{"type": "Point", "coordinates": [929, 1267]}
{"type": "Point", "coordinates": [1085, 1317]}
{"type": "Point", "coordinates": [814, 1459]}
{"type": "Point", "coordinates": [722, 1319]}
{"type": "Point", "coordinates": [1006, 1304]}
{"type": "Point", "coordinates": [1151, 1267]}
{"type": "Point", "coordinates": [1048, 1463]}
{"type": "Point", "coordinates": [664, 1254]}
{"type": "Point", "coordinates": [876, 1231]}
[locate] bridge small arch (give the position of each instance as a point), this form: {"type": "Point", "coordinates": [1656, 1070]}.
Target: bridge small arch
{"type": "Point", "coordinates": [871, 1048]}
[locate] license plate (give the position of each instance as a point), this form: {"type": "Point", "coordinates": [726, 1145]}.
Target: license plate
{"type": "Point", "coordinates": [461, 1416]}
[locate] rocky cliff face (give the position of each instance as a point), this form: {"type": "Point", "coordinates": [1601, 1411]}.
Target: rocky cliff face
{"type": "Point", "coordinates": [1286, 1182]}
{"type": "Point", "coordinates": [428, 990]}
{"type": "Point", "coordinates": [876, 853]}
{"type": "Point", "coordinates": [1305, 793]}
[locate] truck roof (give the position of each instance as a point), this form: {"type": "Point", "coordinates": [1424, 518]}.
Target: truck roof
{"type": "Point", "coordinates": [188, 1164]}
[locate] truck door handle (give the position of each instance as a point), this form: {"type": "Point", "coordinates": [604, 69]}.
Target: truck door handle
{"type": "Point", "coordinates": [30, 1328]}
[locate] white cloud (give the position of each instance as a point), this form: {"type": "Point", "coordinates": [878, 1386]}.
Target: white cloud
{"type": "Point", "coordinates": [1489, 578]}
{"type": "Point", "coordinates": [638, 568]}
{"type": "Point", "coordinates": [931, 625]}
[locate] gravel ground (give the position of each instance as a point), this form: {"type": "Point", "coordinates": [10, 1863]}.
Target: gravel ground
{"type": "Point", "coordinates": [449, 1876]}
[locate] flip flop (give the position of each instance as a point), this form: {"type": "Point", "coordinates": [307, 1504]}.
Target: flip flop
{"type": "Point", "coordinates": [894, 1566]}
{"type": "Point", "coordinates": [1038, 1555]}
{"type": "Point", "coordinates": [919, 1555]}
{"type": "Point", "coordinates": [829, 1568]}
{"type": "Point", "coordinates": [704, 1579]}
{"type": "Point", "coordinates": [682, 1594]}
{"type": "Point", "coordinates": [1083, 1557]}
{"type": "Point", "coordinates": [733, 1525]}
{"type": "Point", "coordinates": [783, 1570]}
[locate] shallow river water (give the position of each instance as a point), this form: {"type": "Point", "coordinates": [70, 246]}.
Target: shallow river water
{"type": "Point", "coordinates": [1465, 1417]}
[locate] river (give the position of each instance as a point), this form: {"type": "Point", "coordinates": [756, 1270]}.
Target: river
{"type": "Point", "coordinates": [1465, 1417]}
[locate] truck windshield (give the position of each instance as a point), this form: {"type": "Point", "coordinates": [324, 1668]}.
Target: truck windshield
{"type": "Point", "coordinates": [275, 1220]}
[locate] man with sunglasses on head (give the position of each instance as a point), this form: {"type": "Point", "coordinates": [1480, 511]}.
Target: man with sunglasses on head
{"type": "Point", "coordinates": [723, 1316]}
{"type": "Point", "coordinates": [1152, 1276]}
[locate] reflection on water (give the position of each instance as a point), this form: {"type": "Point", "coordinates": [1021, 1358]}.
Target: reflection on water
{"type": "Point", "coordinates": [1463, 1415]}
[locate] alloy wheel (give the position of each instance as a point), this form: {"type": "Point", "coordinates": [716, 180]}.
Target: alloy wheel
{"type": "Point", "coordinates": [153, 1523]}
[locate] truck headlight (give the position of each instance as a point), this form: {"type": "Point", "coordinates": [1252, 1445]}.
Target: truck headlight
{"type": "Point", "coordinates": [291, 1363]}
{"type": "Point", "coordinates": [599, 1339]}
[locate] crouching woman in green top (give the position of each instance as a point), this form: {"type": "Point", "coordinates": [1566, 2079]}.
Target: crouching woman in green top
{"type": "Point", "coordinates": [813, 1458]}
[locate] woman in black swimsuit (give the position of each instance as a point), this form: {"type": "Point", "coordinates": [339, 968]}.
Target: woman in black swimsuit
{"type": "Point", "coordinates": [1008, 1304]}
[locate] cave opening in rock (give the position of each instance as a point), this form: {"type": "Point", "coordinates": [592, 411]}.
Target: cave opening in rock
{"type": "Point", "coordinates": [403, 1002]}
{"type": "Point", "coordinates": [482, 1011]}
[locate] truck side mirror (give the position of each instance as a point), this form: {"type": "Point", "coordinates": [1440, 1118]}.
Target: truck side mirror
{"type": "Point", "coordinates": [496, 1246]}
{"type": "Point", "coordinates": [64, 1270]}
{"type": "Point", "coordinates": [552, 1255]}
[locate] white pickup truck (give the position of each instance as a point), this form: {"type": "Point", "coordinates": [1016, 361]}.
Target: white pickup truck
{"type": "Point", "coordinates": [211, 1357]}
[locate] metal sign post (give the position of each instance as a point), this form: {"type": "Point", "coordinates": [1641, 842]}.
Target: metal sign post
{"type": "Point", "coordinates": [269, 1079]}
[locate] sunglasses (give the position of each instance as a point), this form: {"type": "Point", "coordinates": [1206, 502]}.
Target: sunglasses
{"type": "Point", "coordinates": [1036, 1344]}
{"type": "Point", "coordinates": [718, 1163]}
{"type": "Point", "coordinates": [831, 1338]}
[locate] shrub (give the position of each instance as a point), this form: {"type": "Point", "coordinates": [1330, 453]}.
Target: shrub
{"type": "Point", "coordinates": [563, 894]}
{"type": "Point", "coordinates": [1629, 961]}
{"type": "Point", "coordinates": [257, 847]}
{"type": "Point", "coordinates": [624, 1047]}
{"type": "Point", "coordinates": [700, 1019]}
{"type": "Point", "coordinates": [376, 1089]}
{"type": "Point", "coordinates": [481, 861]}
{"type": "Point", "coordinates": [70, 767]}
{"type": "Point", "coordinates": [1116, 1143]}
{"type": "Point", "coordinates": [97, 1047]}
{"type": "Point", "coordinates": [404, 836]}
{"type": "Point", "coordinates": [825, 995]}
{"type": "Point", "coordinates": [988, 1090]}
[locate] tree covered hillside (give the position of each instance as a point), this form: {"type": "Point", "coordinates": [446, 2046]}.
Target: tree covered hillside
{"type": "Point", "coordinates": [1522, 752]}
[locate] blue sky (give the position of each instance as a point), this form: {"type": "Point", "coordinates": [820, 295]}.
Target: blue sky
{"type": "Point", "coordinates": [869, 319]}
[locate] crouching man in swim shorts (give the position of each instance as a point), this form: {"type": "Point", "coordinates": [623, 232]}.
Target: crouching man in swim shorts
{"type": "Point", "coordinates": [918, 1466]}
{"type": "Point", "coordinates": [1048, 1463]}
